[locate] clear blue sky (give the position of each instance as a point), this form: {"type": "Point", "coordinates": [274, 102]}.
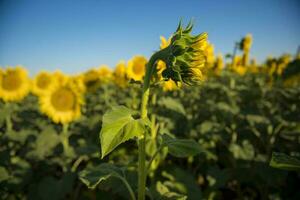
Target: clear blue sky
{"type": "Point", "coordinates": [76, 35]}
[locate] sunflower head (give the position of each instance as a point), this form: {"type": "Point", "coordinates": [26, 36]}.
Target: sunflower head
{"type": "Point", "coordinates": [119, 75]}
{"type": "Point", "coordinates": [136, 68]}
{"type": "Point", "coordinates": [246, 43]}
{"type": "Point", "coordinates": [42, 82]}
{"type": "Point", "coordinates": [105, 73]}
{"type": "Point", "coordinates": [62, 103]}
{"type": "Point", "coordinates": [14, 84]}
{"type": "Point", "coordinates": [184, 57]}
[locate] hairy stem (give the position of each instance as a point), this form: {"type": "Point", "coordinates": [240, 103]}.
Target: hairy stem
{"type": "Point", "coordinates": [142, 140]}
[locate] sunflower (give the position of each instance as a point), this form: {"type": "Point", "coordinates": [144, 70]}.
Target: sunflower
{"type": "Point", "coordinates": [184, 57]}
{"type": "Point", "coordinates": [209, 53]}
{"type": "Point", "coordinates": [14, 84]}
{"type": "Point", "coordinates": [62, 103]}
{"type": "Point", "coordinates": [91, 79]}
{"type": "Point", "coordinates": [170, 85]}
{"type": "Point", "coordinates": [42, 82]}
{"type": "Point", "coordinates": [219, 64]}
{"type": "Point", "coordinates": [136, 68]}
{"type": "Point", "coordinates": [105, 74]}
{"type": "Point", "coordinates": [119, 75]}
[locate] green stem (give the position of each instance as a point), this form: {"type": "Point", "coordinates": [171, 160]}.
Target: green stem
{"type": "Point", "coordinates": [142, 140]}
{"type": "Point", "coordinates": [65, 140]}
{"type": "Point", "coordinates": [153, 157]}
{"type": "Point", "coordinates": [9, 125]}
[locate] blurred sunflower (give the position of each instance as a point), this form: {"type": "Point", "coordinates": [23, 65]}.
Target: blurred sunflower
{"type": "Point", "coordinates": [105, 73]}
{"type": "Point", "coordinates": [136, 68]}
{"type": "Point", "coordinates": [91, 79]}
{"type": "Point", "coordinates": [14, 84]}
{"type": "Point", "coordinates": [62, 103]}
{"type": "Point", "coordinates": [119, 75]}
{"type": "Point", "coordinates": [42, 82]}
{"type": "Point", "coordinates": [209, 53]}
{"type": "Point", "coordinates": [170, 85]}
{"type": "Point", "coordinates": [219, 64]}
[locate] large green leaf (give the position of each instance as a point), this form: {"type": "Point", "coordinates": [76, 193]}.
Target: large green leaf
{"type": "Point", "coordinates": [172, 104]}
{"type": "Point", "coordinates": [92, 176]}
{"type": "Point", "coordinates": [45, 143]}
{"type": "Point", "coordinates": [283, 161]}
{"type": "Point", "coordinates": [181, 147]}
{"type": "Point", "coordinates": [119, 126]}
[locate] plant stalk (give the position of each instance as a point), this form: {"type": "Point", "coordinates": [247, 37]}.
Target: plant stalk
{"type": "Point", "coordinates": [142, 174]}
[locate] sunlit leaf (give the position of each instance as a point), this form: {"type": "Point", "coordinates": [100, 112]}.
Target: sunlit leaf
{"type": "Point", "coordinates": [119, 126]}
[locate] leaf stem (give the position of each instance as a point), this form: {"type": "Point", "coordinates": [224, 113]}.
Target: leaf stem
{"type": "Point", "coordinates": [153, 157]}
{"type": "Point", "coordinates": [132, 195]}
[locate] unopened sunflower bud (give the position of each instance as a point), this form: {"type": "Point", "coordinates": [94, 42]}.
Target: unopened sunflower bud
{"type": "Point", "coordinates": [185, 57]}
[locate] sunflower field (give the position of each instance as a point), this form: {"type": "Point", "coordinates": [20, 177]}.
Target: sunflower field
{"type": "Point", "coordinates": [211, 127]}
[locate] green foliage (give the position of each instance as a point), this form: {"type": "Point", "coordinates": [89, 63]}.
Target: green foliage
{"type": "Point", "coordinates": [283, 161]}
{"type": "Point", "coordinates": [237, 121]}
{"type": "Point", "coordinates": [119, 126]}
{"type": "Point", "coordinates": [181, 147]}
{"type": "Point", "coordinates": [94, 175]}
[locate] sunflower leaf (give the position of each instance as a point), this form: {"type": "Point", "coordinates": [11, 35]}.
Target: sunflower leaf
{"type": "Point", "coordinates": [181, 147]}
{"type": "Point", "coordinates": [283, 161]}
{"type": "Point", "coordinates": [118, 126]}
{"type": "Point", "coordinates": [92, 176]}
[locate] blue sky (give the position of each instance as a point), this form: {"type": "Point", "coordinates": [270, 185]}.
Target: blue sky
{"type": "Point", "coordinates": [75, 35]}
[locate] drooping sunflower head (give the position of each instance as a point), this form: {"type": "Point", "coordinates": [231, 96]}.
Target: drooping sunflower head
{"type": "Point", "coordinates": [42, 82]}
{"type": "Point", "coordinates": [14, 84]}
{"type": "Point", "coordinates": [62, 103]}
{"type": "Point", "coordinates": [184, 57]}
{"type": "Point", "coordinates": [136, 68]}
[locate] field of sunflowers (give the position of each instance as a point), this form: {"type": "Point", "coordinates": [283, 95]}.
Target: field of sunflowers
{"type": "Point", "coordinates": [228, 127]}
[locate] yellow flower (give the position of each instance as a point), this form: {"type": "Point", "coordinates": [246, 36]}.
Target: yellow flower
{"type": "Point", "coordinates": [209, 53]}
{"type": "Point", "coordinates": [91, 79]}
{"type": "Point", "coordinates": [136, 68]}
{"type": "Point", "coordinates": [241, 70]}
{"type": "Point", "coordinates": [120, 74]}
{"type": "Point", "coordinates": [105, 73]}
{"type": "Point", "coordinates": [42, 82]}
{"type": "Point", "coordinates": [62, 103]}
{"type": "Point", "coordinates": [246, 43]}
{"type": "Point", "coordinates": [14, 84]}
{"type": "Point", "coordinates": [169, 85]}
{"type": "Point", "coordinates": [219, 65]}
